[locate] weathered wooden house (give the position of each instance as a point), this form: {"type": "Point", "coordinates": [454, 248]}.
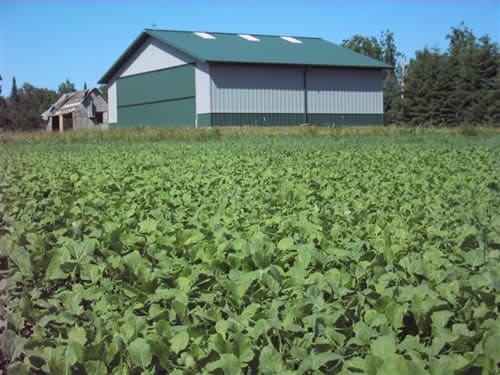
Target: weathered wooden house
{"type": "Point", "coordinates": [77, 110]}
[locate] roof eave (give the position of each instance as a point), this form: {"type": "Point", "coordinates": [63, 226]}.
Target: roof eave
{"type": "Point", "coordinates": [175, 46]}
{"type": "Point", "coordinates": [381, 66]}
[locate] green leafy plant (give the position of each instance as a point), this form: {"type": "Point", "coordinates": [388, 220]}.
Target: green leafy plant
{"type": "Point", "coordinates": [252, 255]}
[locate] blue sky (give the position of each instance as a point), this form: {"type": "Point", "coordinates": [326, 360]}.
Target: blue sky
{"type": "Point", "coordinates": [45, 42]}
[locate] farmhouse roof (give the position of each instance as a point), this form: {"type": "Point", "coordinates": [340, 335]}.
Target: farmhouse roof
{"type": "Point", "coordinates": [253, 49]}
{"type": "Point", "coordinates": [67, 103]}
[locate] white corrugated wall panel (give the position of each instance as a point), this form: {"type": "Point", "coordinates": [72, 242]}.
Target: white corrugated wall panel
{"type": "Point", "coordinates": [202, 84]}
{"type": "Point", "coordinates": [256, 89]}
{"type": "Point", "coordinates": [112, 107]}
{"type": "Point", "coordinates": [345, 91]}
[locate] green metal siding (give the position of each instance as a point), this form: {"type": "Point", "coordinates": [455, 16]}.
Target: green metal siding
{"type": "Point", "coordinates": [257, 119]}
{"type": "Point", "coordinates": [287, 119]}
{"type": "Point", "coordinates": [204, 120]}
{"type": "Point", "coordinates": [156, 86]}
{"type": "Point", "coordinates": [349, 119]}
{"type": "Point", "coordinates": [175, 113]}
{"type": "Point", "coordinates": [159, 98]}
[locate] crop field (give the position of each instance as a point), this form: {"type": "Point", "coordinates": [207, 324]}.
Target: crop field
{"type": "Point", "coordinates": [301, 254]}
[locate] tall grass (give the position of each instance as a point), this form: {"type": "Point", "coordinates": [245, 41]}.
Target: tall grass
{"type": "Point", "coordinates": [205, 134]}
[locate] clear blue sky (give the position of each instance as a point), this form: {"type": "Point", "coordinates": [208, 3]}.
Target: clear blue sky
{"type": "Point", "coordinates": [45, 42]}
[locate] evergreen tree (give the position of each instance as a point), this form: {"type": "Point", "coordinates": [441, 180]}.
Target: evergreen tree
{"type": "Point", "coordinates": [14, 95]}
{"type": "Point", "coordinates": [460, 85]}
{"type": "Point", "coordinates": [463, 74]}
{"type": "Point", "coordinates": [486, 106]}
{"type": "Point", "coordinates": [85, 85]}
{"type": "Point", "coordinates": [426, 86]}
{"type": "Point", "coordinates": [393, 79]}
{"type": "Point", "coordinates": [492, 103]}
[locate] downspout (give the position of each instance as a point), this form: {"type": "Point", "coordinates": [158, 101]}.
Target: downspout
{"type": "Point", "coordinates": [306, 114]}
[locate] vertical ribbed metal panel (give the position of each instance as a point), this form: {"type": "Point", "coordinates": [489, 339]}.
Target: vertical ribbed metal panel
{"type": "Point", "coordinates": [337, 90]}
{"type": "Point", "coordinates": [112, 104]}
{"type": "Point", "coordinates": [202, 87]}
{"type": "Point", "coordinates": [256, 89]}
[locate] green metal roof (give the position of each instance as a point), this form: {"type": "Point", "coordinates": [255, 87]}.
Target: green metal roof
{"type": "Point", "coordinates": [270, 49]}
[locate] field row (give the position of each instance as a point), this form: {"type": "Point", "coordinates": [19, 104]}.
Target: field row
{"type": "Point", "coordinates": [270, 255]}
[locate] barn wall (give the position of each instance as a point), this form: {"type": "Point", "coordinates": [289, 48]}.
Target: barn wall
{"type": "Point", "coordinates": [158, 98]}
{"type": "Point", "coordinates": [99, 102]}
{"type": "Point", "coordinates": [202, 84]}
{"type": "Point", "coordinates": [275, 95]}
{"type": "Point", "coordinates": [151, 56]}
{"type": "Point", "coordinates": [81, 118]}
{"type": "Point", "coordinates": [112, 104]}
{"type": "Point", "coordinates": [345, 91]}
{"type": "Point", "coordinates": [256, 89]}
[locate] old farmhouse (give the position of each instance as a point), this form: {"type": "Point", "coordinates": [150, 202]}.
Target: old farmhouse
{"type": "Point", "coordinates": [77, 110]}
{"type": "Point", "coordinates": [184, 78]}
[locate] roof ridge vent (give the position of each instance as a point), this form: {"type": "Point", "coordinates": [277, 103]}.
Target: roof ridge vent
{"type": "Point", "coordinates": [204, 35]}
{"type": "Point", "coordinates": [291, 39]}
{"type": "Point", "coordinates": [249, 37]}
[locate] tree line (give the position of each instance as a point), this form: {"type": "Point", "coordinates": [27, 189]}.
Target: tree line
{"type": "Point", "coordinates": [22, 109]}
{"type": "Point", "coordinates": [458, 86]}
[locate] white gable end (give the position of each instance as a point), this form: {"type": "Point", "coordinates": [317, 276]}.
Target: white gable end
{"type": "Point", "coordinates": [153, 55]}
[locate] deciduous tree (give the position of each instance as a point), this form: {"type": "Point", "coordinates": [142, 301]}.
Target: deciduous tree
{"type": "Point", "coordinates": [66, 87]}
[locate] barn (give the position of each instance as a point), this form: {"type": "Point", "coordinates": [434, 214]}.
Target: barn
{"type": "Point", "coordinates": [185, 78]}
{"type": "Point", "coordinates": [77, 110]}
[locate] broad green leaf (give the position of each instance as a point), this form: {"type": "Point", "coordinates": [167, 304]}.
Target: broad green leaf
{"type": "Point", "coordinates": [285, 244]}
{"type": "Point", "coordinates": [179, 341]}
{"type": "Point", "coordinates": [314, 361]}
{"type": "Point", "coordinates": [371, 364]}
{"type": "Point", "coordinates": [222, 326]}
{"type": "Point", "coordinates": [492, 347]}
{"type": "Point", "coordinates": [363, 333]}
{"type": "Point", "coordinates": [22, 259]}
{"type": "Point", "coordinates": [447, 364]}
{"type": "Point", "coordinates": [140, 353]}
{"type": "Point", "coordinates": [54, 271]}
{"type": "Point", "coordinates": [384, 346]}
{"type": "Point", "coordinates": [262, 257]}
{"type": "Point", "coordinates": [440, 318]}
{"type": "Point", "coordinates": [228, 363]}
{"type": "Point", "coordinates": [77, 335]}
{"type": "Point", "coordinates": [270, 361]}
{"type": "Point", "coordinates": [148, 226]}
{"type": "Point", "coordinates": [243, 348]}
{"type": "Point", "coordinates": [303, 258]}
{"type": "Point", "coordinates": [395, 314]}
{"type": "Point", "coordinates": [96, 368]}
{"type": "Point", "coordinates": [241, 283]}
{"type": "Point", "coordinates": [394, 364]}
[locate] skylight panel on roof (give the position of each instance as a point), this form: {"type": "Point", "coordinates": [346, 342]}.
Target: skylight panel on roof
{"type": "Point", "coordinates": [291, 39]}
{"type": "Point", "coordinates": [204, 35]}
{"type": "Point", "coordinates": [249, 37]}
